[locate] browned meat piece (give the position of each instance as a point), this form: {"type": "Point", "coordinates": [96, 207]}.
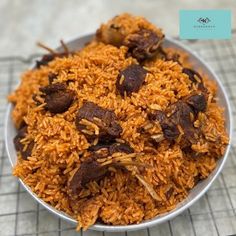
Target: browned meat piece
{"type": "Point", "coordinates": [104, 119]}
{"type": "Point", "coordinates": [112, 148]}
{"type": "Point", "coordinates": [134, 32]}
{"type": "Point", "coordinates": [168, 55]}
{"type": "Point", "coordinates": [169, 129]}
{"type": "Point", "coordinates": [47, 58]}
{"type": "Point", "coordinates": [90, 170]}
{"type": "Point", "coordinates": [44, 60]}
{"type": "Point", "coordinates": [158, 115]}
{"type": "Point", "coordinates": [196, 78]}
{"type": "Point", "coordinates": [193, 75]}
{"type": "Point", "coordinates": [20, 147]}
{"type": "Point", "coordinates": [20, 135]}
{"type": "Point", "coordinates": [197, 102]}
{"type": "Point", "coordinates": [179, 115]}
{"type": "Point", "coordinates": [183, 115]}
{"type": "Point", "coordinates": [172, 57]}
{"type": "Point", "coordinates": [190, 152]}
{"type": "Point", "coordinates": [57, 97]}
{"type": "Point", "coordinates": [51, 77]}
{"type": "Point", "coordinates": [27, 153]}
{"type": "Point", "coordinates": [53, 88]}
{"type": "Point", "coordinates": [130, 79]}
{"type": "Point", "coordinates": [169, 193]}
{"type": "Point", "coordinates": [100, 146]}
{"type": "Point", "coordinates": [120, 147]}
{"type": "Point", "coordinates": [143, 44]}
{"type": "Point", "coordinates": [112, 34]}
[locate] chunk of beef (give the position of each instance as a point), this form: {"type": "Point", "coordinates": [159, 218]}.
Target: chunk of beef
{"type": "Point", "coordinates": [47, 58]}
{"type": "Point", "coordinates": [143, 44]}
{"type": "Point", "coordinates": [168, 55]}
{"type": "Point", "coordinates": [191, 153]}
{"type": "Point", "coordinates": [20, 135]}
{"type": "Point", "coordinates": [112, 148]}
{"type": "Point", "coordinates": [25, 153]}
{"type": "Point", "coordinates": [120, 147]}
{"type": "Point", "coordinates": [104, 119]}
{"type": "Point", "coordinates": [90, 170]}
{"type": "Point", "coordinates": [179, 115]}
{"type": "Point", "coordinates": [158, 115]}
{"type": "Point", "coordinates": [197, 102]}
{"type": "Point", "coordinates": [183, 115]}
{"type": "Point", "coordinates": [169, 129]}
{"type": "Point", "coordinates": [125, 29]}
{"type": "Point", "coordinates": [172, 57]}
{"type": "Point", "coordinates": [195, 77]}
{"type": "Point", "coordinates": [111, 34]}
{"type": "Point", "coordinates": [53, 88]}
{"type": "Point", "coordinates": [51, 77]}
{"type": "Point", "coordinates": [169, 193]}
{"type": "Point", "coordinates": [100, 146]}
{"type": "Point", "coordinates": [57, 97]}
{"type": "Point", "coordinates": [130, 79]}
{"type": "Point", "coordinates": [28, 151]}
{"type": "Point", "coordinates": [44, 60]}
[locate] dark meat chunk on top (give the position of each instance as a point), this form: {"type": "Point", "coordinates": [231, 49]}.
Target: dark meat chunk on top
{"type": "Point", "coordinates": [120, 147]}
{"type": "Point", "coordinates": [197, 102]}
{"type": "Point", "coordinates": [112, 148]}
{"type": "Point", "coordinates": [169, 129]}
{"type": "Point", "coordinates": [196, 78]}
{"type": "Point", "coordinates": [193, 75]}
{"type": "Point", "coordinates": [158, 115]}
{"type": "Point", "coordinates": [105, 119]}
{"type": "Point", "coordinates": [183, 115]}
{"type": "Point", "coordinates": [57, 97]}
{"type": "Point", "coordinates": [172, 57]}
{"type": "Point", "coordinates": [47, 58]}
{"type": "Point", "coordinates": [25, 153]}
{"type": "Point", "coordinates": [44, 60]}
{"type": "Point", "coordinates": [51, 77]}
{"type": "Point", "coordinates": [130, 79]}
{"type": "Point", "coordinates": [90, 170]}
{"type": "Point", "coordinates": [53, 88]}
{"type": "Point", "coordinates": [20, 135]}
{"type": "Point", "coordinates": [143, 44]}
{"type": "Point", "coordinates": [179, 115]}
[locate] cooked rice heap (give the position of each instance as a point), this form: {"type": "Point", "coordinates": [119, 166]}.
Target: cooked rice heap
{"type": "Point", "coordinates": [118, 131]}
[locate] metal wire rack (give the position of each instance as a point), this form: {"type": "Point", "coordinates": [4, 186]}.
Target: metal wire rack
{"type": "Point", "coordinates": [213, 214]}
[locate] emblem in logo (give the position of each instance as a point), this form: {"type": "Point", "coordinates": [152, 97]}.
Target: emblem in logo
{"type": "Point", "coordinates": [203, 20]}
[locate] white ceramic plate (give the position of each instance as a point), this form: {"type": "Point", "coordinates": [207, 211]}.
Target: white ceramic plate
{"type": "Point", "coordinates": [194, 194]}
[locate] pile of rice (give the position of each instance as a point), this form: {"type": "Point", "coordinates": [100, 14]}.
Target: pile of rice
{"type": "Point", "coordinates": [119, 198]}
